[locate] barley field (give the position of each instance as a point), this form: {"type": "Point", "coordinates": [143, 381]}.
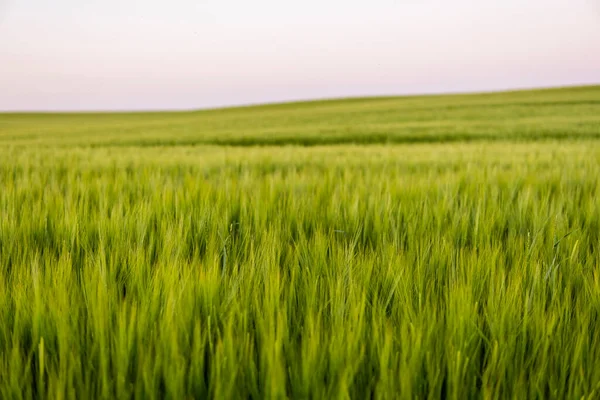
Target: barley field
{"type": "Point", "coordinates": [419, 247]}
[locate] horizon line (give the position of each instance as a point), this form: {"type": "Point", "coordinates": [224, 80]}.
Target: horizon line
{"type": "Point", "coordinates": [300, 101]}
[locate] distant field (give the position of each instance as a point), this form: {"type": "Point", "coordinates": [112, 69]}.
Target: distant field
{"type": "Point", "coordinates": [531, 115]}
{"type": "Point", "coordinates": [419, 247]}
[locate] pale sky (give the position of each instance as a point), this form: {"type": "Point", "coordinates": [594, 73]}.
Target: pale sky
{"type": "Point", "coordinates": [184, 54]}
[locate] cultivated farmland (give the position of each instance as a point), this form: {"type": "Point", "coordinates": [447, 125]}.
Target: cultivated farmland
{"type": "Point", "coordinates": [417, 247]}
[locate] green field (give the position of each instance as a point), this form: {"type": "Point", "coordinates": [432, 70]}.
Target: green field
{"type": "Point", "coordinates": [418, 247]}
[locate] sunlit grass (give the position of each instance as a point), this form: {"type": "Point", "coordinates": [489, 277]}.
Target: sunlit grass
{"type": "Point", "coordinates": [439, 270]}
